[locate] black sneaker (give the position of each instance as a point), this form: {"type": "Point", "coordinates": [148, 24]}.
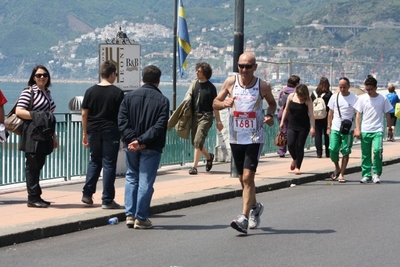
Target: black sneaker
{"type": "Point", "coordinates": [37, 204]}
{"type": "Point", "coordinates": [45, 202]}
{"type": "Point", "coordinates": [112, 206]}
{"type": "Point", "coordinates": [87, 200]}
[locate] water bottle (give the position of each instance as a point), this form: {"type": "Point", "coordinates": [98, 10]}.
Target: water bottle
{"type": "Point", "coordinates": [113, 220]}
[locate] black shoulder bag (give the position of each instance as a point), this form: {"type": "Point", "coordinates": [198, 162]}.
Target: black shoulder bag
{"type": "Point", "coordinates": [345, 125]}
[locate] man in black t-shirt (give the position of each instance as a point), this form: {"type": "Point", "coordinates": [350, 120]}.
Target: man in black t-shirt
{"type": "Point", "coordinates": [100, 108]}
{"type": "Point", "coordinates": [202, 99]}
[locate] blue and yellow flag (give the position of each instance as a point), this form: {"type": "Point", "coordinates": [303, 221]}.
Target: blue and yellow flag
{"type": "Point", "coordinates": [184, 47]}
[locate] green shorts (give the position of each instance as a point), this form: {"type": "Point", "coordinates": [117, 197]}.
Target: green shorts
{"type": "Point", "coordinates": [339, 142]}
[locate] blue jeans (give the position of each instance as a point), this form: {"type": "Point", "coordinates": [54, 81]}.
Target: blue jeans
{"type": "Point", "coordinates": [140, 177]}
{"type": "Point", "coordinates": [104, 146]}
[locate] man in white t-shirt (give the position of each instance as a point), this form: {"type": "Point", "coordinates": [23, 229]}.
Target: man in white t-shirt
{"type": "Point", "coordinates": [372, 105]}
{"type": "Point", "coordinates": [341, 107]}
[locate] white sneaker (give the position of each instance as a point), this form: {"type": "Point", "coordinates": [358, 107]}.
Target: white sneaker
{"type": "Point", "coordinates": [255, 216]}
{"type": "Point", "coordinates": [376, 179]}
{"type": "Point", "coordinates": [365, 180]}
{"type": "Point", "coordinates": [143, 224]}
{"type": "Point", "coordinates": [130, 221]}
{"type": "Point", "coordinates": [240, 224]}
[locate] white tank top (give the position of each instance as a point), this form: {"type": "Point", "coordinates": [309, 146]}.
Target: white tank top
{"type": "Point", "coordinates": [246, 120]}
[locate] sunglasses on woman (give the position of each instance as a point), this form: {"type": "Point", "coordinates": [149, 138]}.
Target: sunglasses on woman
{"type": "Point", "coordinates": [39, 75]}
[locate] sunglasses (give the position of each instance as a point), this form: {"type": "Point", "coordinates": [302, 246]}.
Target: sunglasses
{"type": "Point", "coordinates": [245, 66]}
{"type": "Point", "coordinates": [39, 75]}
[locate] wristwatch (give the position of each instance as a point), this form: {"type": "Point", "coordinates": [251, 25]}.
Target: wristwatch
{"type": "Point", "coordinates": [270, 115]}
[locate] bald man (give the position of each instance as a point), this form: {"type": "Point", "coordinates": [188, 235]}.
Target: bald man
{"type": "Point", "coordinates": [242, 94]}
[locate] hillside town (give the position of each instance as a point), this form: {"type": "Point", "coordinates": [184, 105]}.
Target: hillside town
{"type": "Point", "coordinates": [78, 59]}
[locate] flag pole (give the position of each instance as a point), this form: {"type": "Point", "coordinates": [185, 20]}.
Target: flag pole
{"type": "Point", "coordinates": [174, 57]}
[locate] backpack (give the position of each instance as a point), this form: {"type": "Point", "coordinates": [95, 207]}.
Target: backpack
{"type": "Point", "coordinates": [283, 99]}
{"type": "Point", "coordinates": [319, 107]}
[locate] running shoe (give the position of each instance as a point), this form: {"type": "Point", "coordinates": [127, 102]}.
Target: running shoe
{"type": "Point", "coordinates": [255, 216]}
{"type": "Point", "coordinates": [240, 224]}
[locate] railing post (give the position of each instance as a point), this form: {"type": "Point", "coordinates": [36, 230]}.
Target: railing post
{"type": "Point", "coordinates": [68, 145]}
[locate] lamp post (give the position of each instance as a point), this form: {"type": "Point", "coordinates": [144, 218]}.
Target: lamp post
{"type": "Point", "coordinates": [238, 37]}
{"type": "Point", "coordinates": [238, 41]}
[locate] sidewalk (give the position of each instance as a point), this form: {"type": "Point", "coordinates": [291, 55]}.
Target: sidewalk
{"type": "Point", "coordinates": [174, 189]}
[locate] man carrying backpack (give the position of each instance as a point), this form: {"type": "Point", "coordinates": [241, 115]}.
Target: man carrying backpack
{"type": "Point", "coordinates": [320, 98]}
{"type": "Point", "coordinates": [292, 82]}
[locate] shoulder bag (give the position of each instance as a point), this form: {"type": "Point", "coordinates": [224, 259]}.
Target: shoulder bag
{"type": "Point", "coordinates": [345, 125]}
{"type": "Point", "coordinates": [13, 123]}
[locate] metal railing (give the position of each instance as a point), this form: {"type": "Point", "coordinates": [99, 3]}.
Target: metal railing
{"type": "Point", "coordinates": [71, 157]}
{"type": "Point", "coordinates": [68, 160]}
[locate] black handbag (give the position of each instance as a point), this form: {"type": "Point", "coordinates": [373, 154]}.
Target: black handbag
{"type": "Point", "coordinates": [345, 125]}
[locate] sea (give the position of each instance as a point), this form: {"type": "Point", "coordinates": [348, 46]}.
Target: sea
{"type": "Point", "coordinates": [63, 92]}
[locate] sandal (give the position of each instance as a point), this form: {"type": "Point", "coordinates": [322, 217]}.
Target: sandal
{"type": "Point", "coordinates": [342, 180]}
{"type": "Point", "coordinates": [210, 162]}
{"type": "Point", "coordinates": [334, 176]}
{"type": "Point", "coordinates": [193, 170]}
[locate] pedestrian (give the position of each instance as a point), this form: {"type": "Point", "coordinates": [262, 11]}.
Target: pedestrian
{"type": "Point", "coordinates": [370, 129]}
{"type": "Point", "coordinates": [341, 107]}
{"type": "Point", "coordinates": [36, 106]}
{"type": "Point", "coordinates": [3, 101]}
{"type": "Point", "coordinates": [100, 107]}
{"type": "Point", "coordinates": [246, 131]}
{"type": "Point", "coordinates": [292, 82]}
{"type": "Point", "coordinates": [142, 121]}
{"type": "Point", "coordinates": [299, 107]}
{"type": "Point", "coordinates": [322, 91]}
{"type": "Point", "coordinates": [203, 96]}
{"type": "Point", "coordinates": [393, 99]}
